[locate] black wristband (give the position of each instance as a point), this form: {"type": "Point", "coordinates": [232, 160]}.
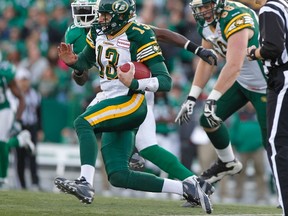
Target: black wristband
{"type": "Point", "coordinates": [252, 54]}
{"type": "Point", "coordinates": [191, 98]}
{"type": "Point", "coordinates": [191, 47]}
{"type": "Point", "coordinates": [78, 73]}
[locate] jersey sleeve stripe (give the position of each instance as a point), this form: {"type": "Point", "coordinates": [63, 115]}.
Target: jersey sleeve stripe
{"type": "Point", "coordinates": [237, 23]}
{"type": "Point", "coordinates": [146, 45]}
{"type": "Point", "coordinates": [149, 57]}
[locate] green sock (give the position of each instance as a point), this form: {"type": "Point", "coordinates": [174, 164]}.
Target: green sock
{"type": "Point", "coordinates": [166, 161]}
{"type": "Point", "coordinates": [219, 138]}
{"type": "Point", "coordinates": [4, 159]}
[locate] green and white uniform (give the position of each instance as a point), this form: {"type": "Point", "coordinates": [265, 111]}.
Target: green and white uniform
{"type": "Point", "coordinates": [7, 115]}
{"type": "Point", "coordinates": [146, 141]}
{"type": "Point", "coordinates": [251, 83]}
{"type": "Point", "coordinates": [7, 74]}
{"type": "Point", "coordinates": [118, 110]}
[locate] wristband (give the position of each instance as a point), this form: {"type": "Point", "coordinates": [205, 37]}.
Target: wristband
{"type": "Point", "coordinates": [195, 91]}
{"type": "Point", "coordinates": [191, 98]}
{"type": "Point", "coordinates": [190, 46]}
{"type": "Point", "coordinates": [214, 95]}
{"type": "Point", "coordinates": [252, 54]}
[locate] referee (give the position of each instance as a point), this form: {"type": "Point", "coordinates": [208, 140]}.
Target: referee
{"type": "Point", "coordinates": [273, 22]}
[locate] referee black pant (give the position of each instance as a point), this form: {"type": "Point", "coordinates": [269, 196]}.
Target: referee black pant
{"type": "Point", "coordinates": [277, 119]}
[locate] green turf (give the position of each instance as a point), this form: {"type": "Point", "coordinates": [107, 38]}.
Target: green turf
{"type": "Point", "coordinates": [20, 203]}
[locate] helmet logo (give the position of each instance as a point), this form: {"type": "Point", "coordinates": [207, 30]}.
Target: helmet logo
{"type": "Point", "coordinates": [120, 6]}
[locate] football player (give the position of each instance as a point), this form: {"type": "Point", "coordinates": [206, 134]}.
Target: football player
{"type": "Point", "coordinates": [229, 28]}
{"type": "Point", "coordinates": [11, 133]}
{"type": "Point", "coordinates": [146, 142]}
{"type": "Point", "coordinates": [114, 39]}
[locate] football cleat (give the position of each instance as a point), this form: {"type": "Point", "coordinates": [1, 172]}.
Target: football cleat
{"type": "Point", "coordinates": [206, 187]}
{"type": "Point", "coordinates": [80, 188]}
{"type": "Point", "coordinates": [220, 169]}
{"type": "Point", "coordinates": [136, 162]}
{"type": "Point", "coordinates": [194, 194]}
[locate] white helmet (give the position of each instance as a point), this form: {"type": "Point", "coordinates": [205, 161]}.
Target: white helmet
{"type": "Point", "coordinates": [84, 12]}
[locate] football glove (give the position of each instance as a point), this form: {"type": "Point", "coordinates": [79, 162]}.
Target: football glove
{"type": "Point", "coordinates": [209, 113]}
{"type": "Point", "coordinates": [208, 55]}
{"type": "Point", "coordinates": [186, 110]}
{"type": "Point", "coordinates": [16, 128]}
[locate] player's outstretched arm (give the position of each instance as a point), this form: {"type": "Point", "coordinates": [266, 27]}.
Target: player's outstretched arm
{"type": "Point", "coordinates": [167, 36]}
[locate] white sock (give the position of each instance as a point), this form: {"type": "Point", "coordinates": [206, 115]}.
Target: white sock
{"type": "Point", "coordinates": [88, 172]}
{"type": "Point", "coordinates": [226, 155]}
{"type": "Point", "coordinates": [172, 186]}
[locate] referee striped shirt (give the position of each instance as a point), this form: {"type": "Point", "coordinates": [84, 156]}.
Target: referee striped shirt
{"type": "Point", "coordinates": [274, 41]}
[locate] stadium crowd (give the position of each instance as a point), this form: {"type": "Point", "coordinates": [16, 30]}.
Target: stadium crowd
{"type": "Point", "coordinates": [31, 30]}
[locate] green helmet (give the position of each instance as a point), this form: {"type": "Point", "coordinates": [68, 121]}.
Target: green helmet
{"type": "Point", "coordinates": [216, 8]}
{"type": "Point", "coordinates": [121, 11]}
{"type": "Point", "coordinates": [84, 12]}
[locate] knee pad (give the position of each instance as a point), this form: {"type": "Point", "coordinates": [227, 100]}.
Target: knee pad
{"type": "Point", "coordinates": [119, 178]}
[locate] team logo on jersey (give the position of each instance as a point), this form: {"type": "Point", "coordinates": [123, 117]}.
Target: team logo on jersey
{"type": "Point", "coordinates": [123, 43]}
{"type": "Point", "coordinates": [120, 6]}
{"type": "Point", "coordinates": [156, 48]}
{"type": "Point", "coordinates": [239, 21]}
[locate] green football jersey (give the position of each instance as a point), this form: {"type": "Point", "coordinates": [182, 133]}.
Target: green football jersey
{"type": "Point", "coordinates": [77, 37]}
{"type": "Point", "coordinates": [7, 74]}
{"type": "Point", "coordinates": [234, 18]}
{"type": "Point", "coordinates": [134, 42]}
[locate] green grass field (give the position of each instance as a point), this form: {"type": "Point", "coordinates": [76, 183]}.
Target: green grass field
{"type": "Point", "coordinates": [20, 203]}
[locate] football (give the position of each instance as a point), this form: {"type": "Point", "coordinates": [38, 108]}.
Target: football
{"type": "Point", "coordinates": [141, 70]}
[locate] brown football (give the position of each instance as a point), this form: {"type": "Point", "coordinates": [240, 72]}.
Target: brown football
{"type": "Point", "coordinates": [141, 70]}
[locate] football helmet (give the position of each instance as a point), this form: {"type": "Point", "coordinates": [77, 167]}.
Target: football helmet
{"type": "Point", "coordinates": [121, 11]}
{"type": "Point", "coordinates": [216, 7]}
{"type": "Point", "coordinates": [84, 12]}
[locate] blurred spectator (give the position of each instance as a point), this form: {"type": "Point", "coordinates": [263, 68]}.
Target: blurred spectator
{"type": "Point", "coordinates": [47, 85]}
{"type": "Point", "coordinates": [247, 140]}
{"type": "Point", "coordinates": [31, 120]}
{"type": "Point", "coordinates": [35, 63]}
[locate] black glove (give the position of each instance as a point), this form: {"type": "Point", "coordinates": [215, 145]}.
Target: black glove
{"type": "Point", "coordinates": [208, 55]}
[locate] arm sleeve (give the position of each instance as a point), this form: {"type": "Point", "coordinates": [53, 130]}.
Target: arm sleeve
{"type": "Point", "coordinates": [86, 59]}
{"type": "Point", "coordinates": [272, 33]}
{"type": "Point", "coordinates": [161, 80]}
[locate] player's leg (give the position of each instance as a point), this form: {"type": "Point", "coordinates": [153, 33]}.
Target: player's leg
{"type": "Point", "coordinates": [226, 164]}
{"type": "Point", "coordinates": [121, 113]}
{"type": "Point", "coordinates": [6, 116]}
{"type": "Point", "coordinates": [146, 144]}
{"type": "Point", "coordinates": [259, 102]}
{"type": "Point", "coordinates": [116, 150]}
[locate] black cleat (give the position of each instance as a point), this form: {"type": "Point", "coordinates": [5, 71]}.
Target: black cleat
{"type": "Point", "coordinates": [206, 187]}
{"type": "Point", "coordinates": [194, 194]}
{"type": "Point", "coordinates": [79, 188]}
{"type": "Point", "coordinates": [220, 169]}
